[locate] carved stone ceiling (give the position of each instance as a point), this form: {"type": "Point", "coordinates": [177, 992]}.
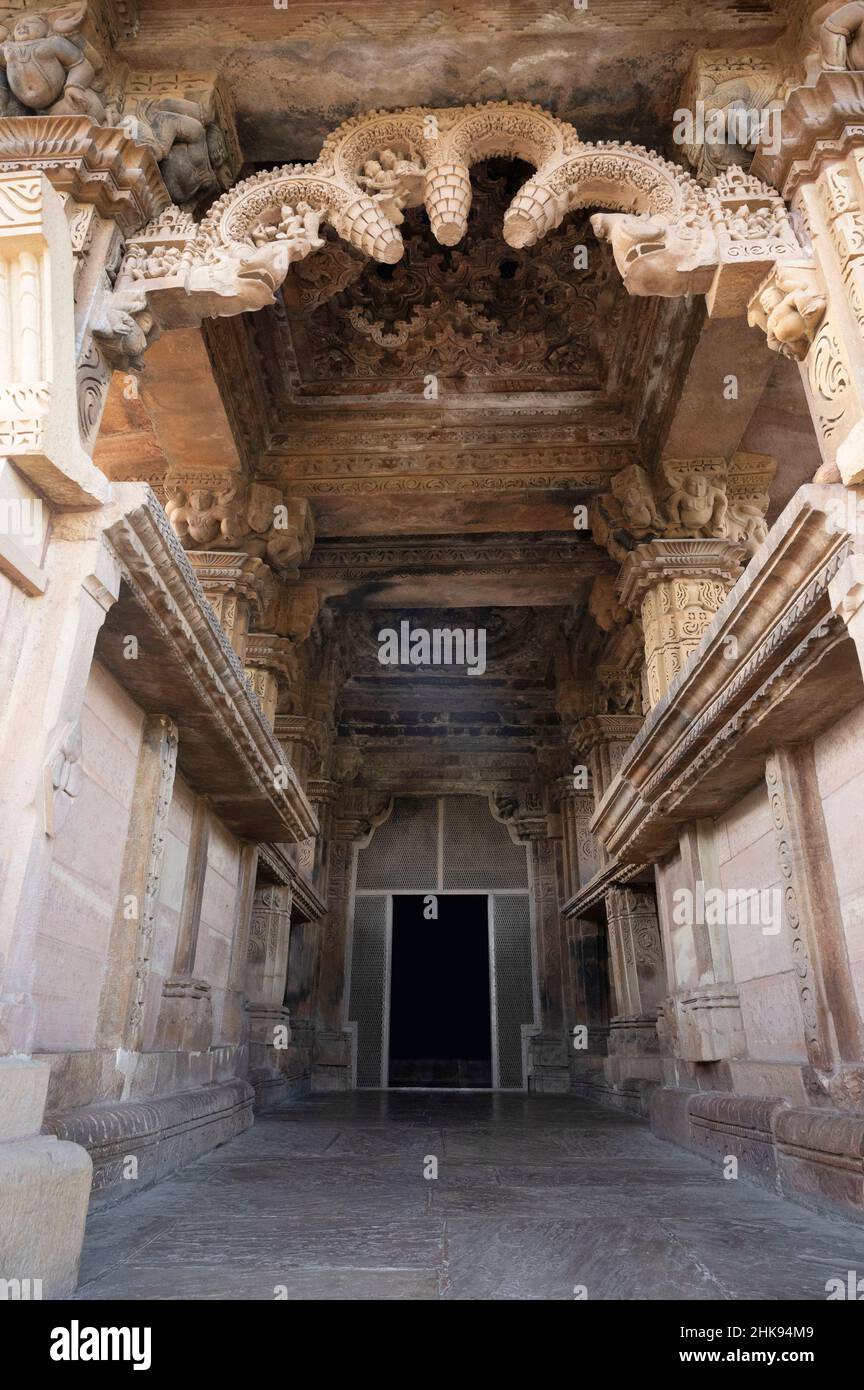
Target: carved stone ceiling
{"type": "Point", "coordinates": [614, 68]}
{"type": "Point", "coordinates": [456, 510]}
{"type": "Point", "coordinates": [486, 319]}
{"type": "Point", "coordinates": [548, 376]}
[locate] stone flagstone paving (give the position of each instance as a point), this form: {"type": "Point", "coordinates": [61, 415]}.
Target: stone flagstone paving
{"type": "Point", "coordinates": [326, 1199]}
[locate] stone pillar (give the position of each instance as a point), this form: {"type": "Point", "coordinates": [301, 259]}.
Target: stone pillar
{"type": "Point", "coordinates": [833, 1029]}
{"type": "Point", "coordinates": [121, 1007]}
{"type": "Point", "coordinates": [271, 662]}
{"type": "Point", "coordinates": [54, 594]}
{"type": "Point", "coordinates": [602, 740]}
{"type": "Point", "coordinates": [303, 952]}
{"type": "Point", "coordinates": [701, 1019]}
{"type": "Point", "coordinates": [39, 430]}
{"type": "Point", "coordinates": [332, 1056]}
{"type": "Point", "coordinates": [230, 579]}
{"type": "Point", "coordinates": [44, 1190]}
{"type": "Point", "coordinates": [549, 1063]}
{"type": "Point", "coordinates": [580, 853]}
{"type": "Point", "coordinates": [305, 740]}
{"type": "Point", "coordinates": [639, 983]}
{"type": "Point", "coordinates": [847, 587]}
{"type": "Point", "coordinates": [235, 1019]}
{"type": "Point", "coordinates": [186, 1018]}
{"type": "Point", "coordinates": [677, 586]}
{"type": "Point", "coordinates": [813, 310]}
{"type": "Point", "coordinates": [45, 661]}
{"type": "Point", "coordinates": [587, 1003]}
{"type": "Point", "coordinates": [266, 975]}
{"type": "Point", "coordinates": [315, 857]}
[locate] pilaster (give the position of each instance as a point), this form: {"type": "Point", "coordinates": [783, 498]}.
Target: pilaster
{"type": "Point", "coordinates": [185, 1017]}
{"type": "Point", "coordinates": [639, 983]}
{"type": "Point", "coordinates": [121, 1009]}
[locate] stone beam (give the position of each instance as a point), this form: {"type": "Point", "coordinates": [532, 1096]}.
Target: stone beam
{"type": "Point", "coordinates": [434, 571]}
{"type": "Point", "coordinates": [721, 387]}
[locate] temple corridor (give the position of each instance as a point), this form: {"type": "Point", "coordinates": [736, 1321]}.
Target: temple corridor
{"type": "Point", "coordinates": [535, 1195]}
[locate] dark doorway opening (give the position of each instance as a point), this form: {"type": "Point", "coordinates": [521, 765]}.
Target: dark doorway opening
{"type": "Point", "coordinates": [440, 1009]}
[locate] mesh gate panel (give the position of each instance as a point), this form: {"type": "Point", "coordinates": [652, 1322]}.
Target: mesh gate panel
{"type": "Point", "coordinates": [513, 984]}
{"type": "Point", "coordinates": [404, 850]}
{"type": "Point", "coordinates": [478, 851]}
{"type": "Point", "coordinates": [368, 984]}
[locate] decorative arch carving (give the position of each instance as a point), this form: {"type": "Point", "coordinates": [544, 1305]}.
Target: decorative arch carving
{"type": "Point", "coordinates": [669, 235]}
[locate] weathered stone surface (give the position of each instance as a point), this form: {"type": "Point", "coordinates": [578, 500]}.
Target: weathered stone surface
{"type": "Point", "coordinates": [821, 1159]}
{"type": "Point", "coordinates": [159, 1137]}
{"type": "Point", "coordinates": [23, 1088]}
{"type": "Point", "coordinates": [44, 1190]}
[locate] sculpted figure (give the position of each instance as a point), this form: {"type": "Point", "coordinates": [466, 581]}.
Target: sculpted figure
{"type": "Point", "coordinates": [202, 517]}
{"type": "Point", "coordinates": [841, 36]}
{"type": "Point", "coordinates": [618, 694]}
{"type": "Point", "coordinates": [605, 607]}
{"type": "Point", "coordinates": [394, 183]}
{"type": "Point", "coordinates": [789, 308]}
{"type": "Point", "coordinates": [189, 150]}
{"type": "Point", "coordinates": [125, 327]}
{"type": "Point", "coordinates": [248, 275]}
{"type": "Point", "coordinates": [655, 256]}
{"type": "Point", "coordinates": [9, 103]}
{"type": "Point", "coordinates": [299, 229]}
{"type": "Point", "coordinates": [626, 514]}
{"type": "Point", "coordinates": [747, 524]}
{"type": "Point", "coordinates": [632, 489]}
{"type": "Point", "coordinates": [697, 503]}
{"type": "Point", "coordinates": [50, 66]}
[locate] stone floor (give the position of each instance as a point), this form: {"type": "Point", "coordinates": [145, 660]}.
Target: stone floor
{"type": "Point", "coordinates": [326, 1199]}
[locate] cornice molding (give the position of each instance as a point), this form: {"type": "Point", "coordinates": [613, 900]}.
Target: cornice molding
{"type": "Point", "coordinates": [188, 669]}
{"type": "Point", "coordinates": [603, 882]}
{"type": "Point", "coordinates": [94, 164]}
{"type": "Point", "coordinates": [820, 123]}
{"type": "Point", "coordinates": [775, 666]}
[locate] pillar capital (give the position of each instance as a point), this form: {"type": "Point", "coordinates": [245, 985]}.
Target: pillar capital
{"type": "Point", "coordinates": [271, 662]}
{"type": "Point", "coordinates": [596, 730]}
{"type": "Point", "coordinates": [684, 498]}
{"type": "Point", "coordinates": [668, 561]}
{"type": "Point", "coordinates": [232, 581]}
{"type": "Point", "coordinates": [677, 586]}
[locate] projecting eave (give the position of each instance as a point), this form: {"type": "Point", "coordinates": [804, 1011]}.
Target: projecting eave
{"type": "Point", "coordinates": [776, 666]}
{"type": "Point", "coordinates": [186, 669]}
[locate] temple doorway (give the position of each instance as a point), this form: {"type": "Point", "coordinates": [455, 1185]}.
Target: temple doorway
{"type": "Point", "coordinates": [442, 984]}
{"type": "Point", "coordinates": [440, 1032]}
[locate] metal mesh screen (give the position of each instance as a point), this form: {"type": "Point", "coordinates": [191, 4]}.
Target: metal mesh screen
{"type": "Point", "coordinates": [368, 984]}
{"type": "Point", "coordinates": [404, 850]}
{"type": "Point", "coordinates": [478, 851]}
{"type": "Point", "coordinates": [513, 984]}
